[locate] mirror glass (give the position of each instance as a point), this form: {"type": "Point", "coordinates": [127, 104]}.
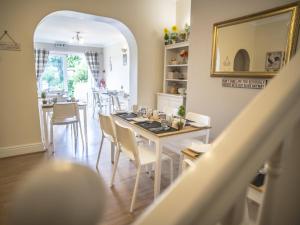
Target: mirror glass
{"type": "Point", "coordinates": [255, 45]}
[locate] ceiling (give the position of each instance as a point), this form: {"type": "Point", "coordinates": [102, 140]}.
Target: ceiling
{"type": "Point", "coordinates": [60, 27]}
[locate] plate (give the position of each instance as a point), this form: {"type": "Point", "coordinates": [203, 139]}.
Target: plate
{"type": "Point", "coordinates": [140, 119]}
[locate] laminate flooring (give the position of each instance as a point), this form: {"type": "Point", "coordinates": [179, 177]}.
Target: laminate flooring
{"type": "Point", "coordinates": [12, 171]}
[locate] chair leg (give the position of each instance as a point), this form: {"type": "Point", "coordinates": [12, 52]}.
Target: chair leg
{"type": "Point", "coordinates": [115, 167]}
{"type": "Point", "coordinates": [135, 189]}
{"type": "Point", "coordinates": [51, 138]}
{"type": "Point", "coordinates": [181, 165]}
{"type": "Point", "coordinates": [51, 134]}
{"type": "Point", "coordinates": [98, 159]}
{"type": "Point", "coordinates": [112, 152]}
{"type": "Point", "coordinates": [74, 135]}
{"type": "Point", "coordinates": [171, 170]}
{"type": "Point", "coordinates": [81, 134]}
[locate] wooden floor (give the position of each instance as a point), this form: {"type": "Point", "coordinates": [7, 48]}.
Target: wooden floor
{"type": "Point", "coordinates": [13, 169]}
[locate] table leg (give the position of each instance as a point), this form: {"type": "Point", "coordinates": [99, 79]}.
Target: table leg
{"type": "Point", "coordinates": [157, 176]}
{"type": "Point", "coordinates": [45, 129]}
{"type": "Point", "coordinates": [85, 129]}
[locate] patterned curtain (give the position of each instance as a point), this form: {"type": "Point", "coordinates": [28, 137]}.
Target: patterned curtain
{"type": "Point", "coordinates": [94, 64]}
{"type": "Point", "coordinates": [41, 59]}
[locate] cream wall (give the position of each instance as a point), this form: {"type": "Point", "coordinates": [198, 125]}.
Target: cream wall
{"type": "Point", "coordinates": [205, 94]}
{"type": "Point", "coordinates": [19, 123]}
{"type": "Point", "coordinates": [183, 13]}
{"type": "Point", "coordinates": [119, 75]}
{"type": "Point", "coordinates": [279, 33]}
{"type": "Point", "coordinates": [231, 40]}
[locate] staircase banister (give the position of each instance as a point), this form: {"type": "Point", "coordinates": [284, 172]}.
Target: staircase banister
{"type": "Point", "coordinates": [207, 191]}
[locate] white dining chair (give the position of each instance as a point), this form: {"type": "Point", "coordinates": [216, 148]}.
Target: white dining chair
{"type": "Point", "coordinates": [117, 105]}
{"type": "Point", "coordinates": [66, 114]}
{"type": "Point", "coordinates": [108, 132]}
{"type": "Point", "coordinates": [141, 155]}
{"type": "Point", "coordinates": [200, 120]}
{"type": "Point", "coordinates": [98, 103]}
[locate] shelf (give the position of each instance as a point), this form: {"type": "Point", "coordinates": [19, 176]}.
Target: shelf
{"type": "Point", "coordinates": [180, 80]}
{"type": "Point", "coordinates": [171, 95]}
{"type": "Point", "coordinates": [177, 45]}
{"type": "Point", "coordinates": [177, 65]}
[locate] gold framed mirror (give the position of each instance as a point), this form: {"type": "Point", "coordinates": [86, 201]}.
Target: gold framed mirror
{"type": "Point", "coordinates": [257, 45]}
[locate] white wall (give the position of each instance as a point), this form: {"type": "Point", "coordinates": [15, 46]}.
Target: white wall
{"type": "Point", "coordinates": [119, 75]}
{"type": "Point", "coordinates": [19, 119]}
{"type": "Point", "coordinates": [206, 94]}
{"type": "Point", "coordinates": [183, 13]}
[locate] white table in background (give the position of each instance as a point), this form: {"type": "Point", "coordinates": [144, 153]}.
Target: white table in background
{"type": "Point", "coordinates": [47, 108]}
{"type": "Point", "coordinates": [160, 140]}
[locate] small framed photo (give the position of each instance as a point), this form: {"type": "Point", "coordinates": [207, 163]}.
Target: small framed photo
{"type": "Point", "coordinates": [124, 59]}
{"type": "Point", "coordinates": [274, 60]}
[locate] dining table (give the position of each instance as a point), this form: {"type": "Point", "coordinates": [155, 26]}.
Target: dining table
{"type": "Point", "coordinates": [153, 131]}
{"type": "Point", "coordinates": [47, 109]}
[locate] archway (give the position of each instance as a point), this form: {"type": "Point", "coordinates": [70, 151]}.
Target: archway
{"type": "Point", "coordinates": [124, 30]}
{"type": "Point", "coordinates": [241, 61]}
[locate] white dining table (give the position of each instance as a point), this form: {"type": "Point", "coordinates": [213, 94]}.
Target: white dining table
{"type": "Point", "coordinates": [48, 108]}
{"type": "Point", "coordinates": [160, 140]}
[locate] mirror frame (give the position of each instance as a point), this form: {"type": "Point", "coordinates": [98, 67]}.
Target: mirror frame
{"type": "Point", "coordinates": [291, 39]}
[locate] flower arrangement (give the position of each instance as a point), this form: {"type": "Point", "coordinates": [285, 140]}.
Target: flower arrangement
{"type": "Point", "coordinates": [173, 36]}
{"type": "Point", "coordinates": [184, 55]}
{"type": "Point", "coordinates": [103, 83]}
{"type": "Point", "coordinates": [166, 36]}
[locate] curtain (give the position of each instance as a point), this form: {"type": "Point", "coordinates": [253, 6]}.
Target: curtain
{"type": "Point", "coordinates": [41, 59]}
{"type": "Point", "coordinates": [93, 61]}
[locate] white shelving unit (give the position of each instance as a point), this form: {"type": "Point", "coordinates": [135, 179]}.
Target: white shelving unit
{"type": "Point", "coordinates": [175, 76]}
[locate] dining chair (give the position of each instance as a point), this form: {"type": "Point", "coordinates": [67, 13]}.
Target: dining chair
{"type": "Point", "coordinates": [140, 154]}
{"type": "Point", "coordinates": [108, 132]}
{"type": "Point", "coordinates": [97, 103]}
{"type": "Point", "coordinates": [170, 111]}
{"type": "Point", "coordinates": [66, 114]}
{"type": "Point", "coordinates": [201, 120]}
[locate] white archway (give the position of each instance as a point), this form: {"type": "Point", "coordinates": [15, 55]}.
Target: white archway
{"type": "Point", "coordinates": [128, 35]}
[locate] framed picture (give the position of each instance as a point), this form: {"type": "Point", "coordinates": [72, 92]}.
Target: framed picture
{"type": "Point", "coordinates": [110, 64]}
{"type": "Point", "coordinates": [274, 60]}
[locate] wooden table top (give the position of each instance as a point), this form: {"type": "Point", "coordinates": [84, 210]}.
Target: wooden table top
{"type": "Point", "coordinates": [51, 105]}
{"type": "Point", "coordinates": [191, 153]}
{"type": "Point", "coordinates": [186, 129]}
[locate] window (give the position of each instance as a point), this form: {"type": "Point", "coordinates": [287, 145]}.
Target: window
{"type": "Point", "coordinates": [54, 75]}
{"type": "Point", "coordinates": [66, 73]}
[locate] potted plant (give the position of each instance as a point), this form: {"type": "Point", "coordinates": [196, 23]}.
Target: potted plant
{"type": "Point", "coordinates": [174, 34]}
{"type": "Point", "coordinates": [43, 96]}
{"type": "Point", "coordinates": [181, 114]}
{"type": "Point", "coordinates": [166, 36]}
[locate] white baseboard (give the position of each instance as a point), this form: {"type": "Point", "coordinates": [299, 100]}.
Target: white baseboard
{"type": "Point", "coordinates": [21, 149]}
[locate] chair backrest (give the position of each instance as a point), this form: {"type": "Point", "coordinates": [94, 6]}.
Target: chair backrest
{"type": "Point", "coordinates": [170, 111]}
{"type": "Point", "coordinates": [107, 126]}
{"type": "Point", "coordinates": [116, 102]}
{"type": "Point", "coordinates": [127, 142]}
{"type": "Point", "coordinates": [198, 118]}
{"type": "Point", "coordinates": [65, 110]}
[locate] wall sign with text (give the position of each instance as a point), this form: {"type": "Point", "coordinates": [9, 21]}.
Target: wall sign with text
{"type": "Point", "coordinates": [244, 83]}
